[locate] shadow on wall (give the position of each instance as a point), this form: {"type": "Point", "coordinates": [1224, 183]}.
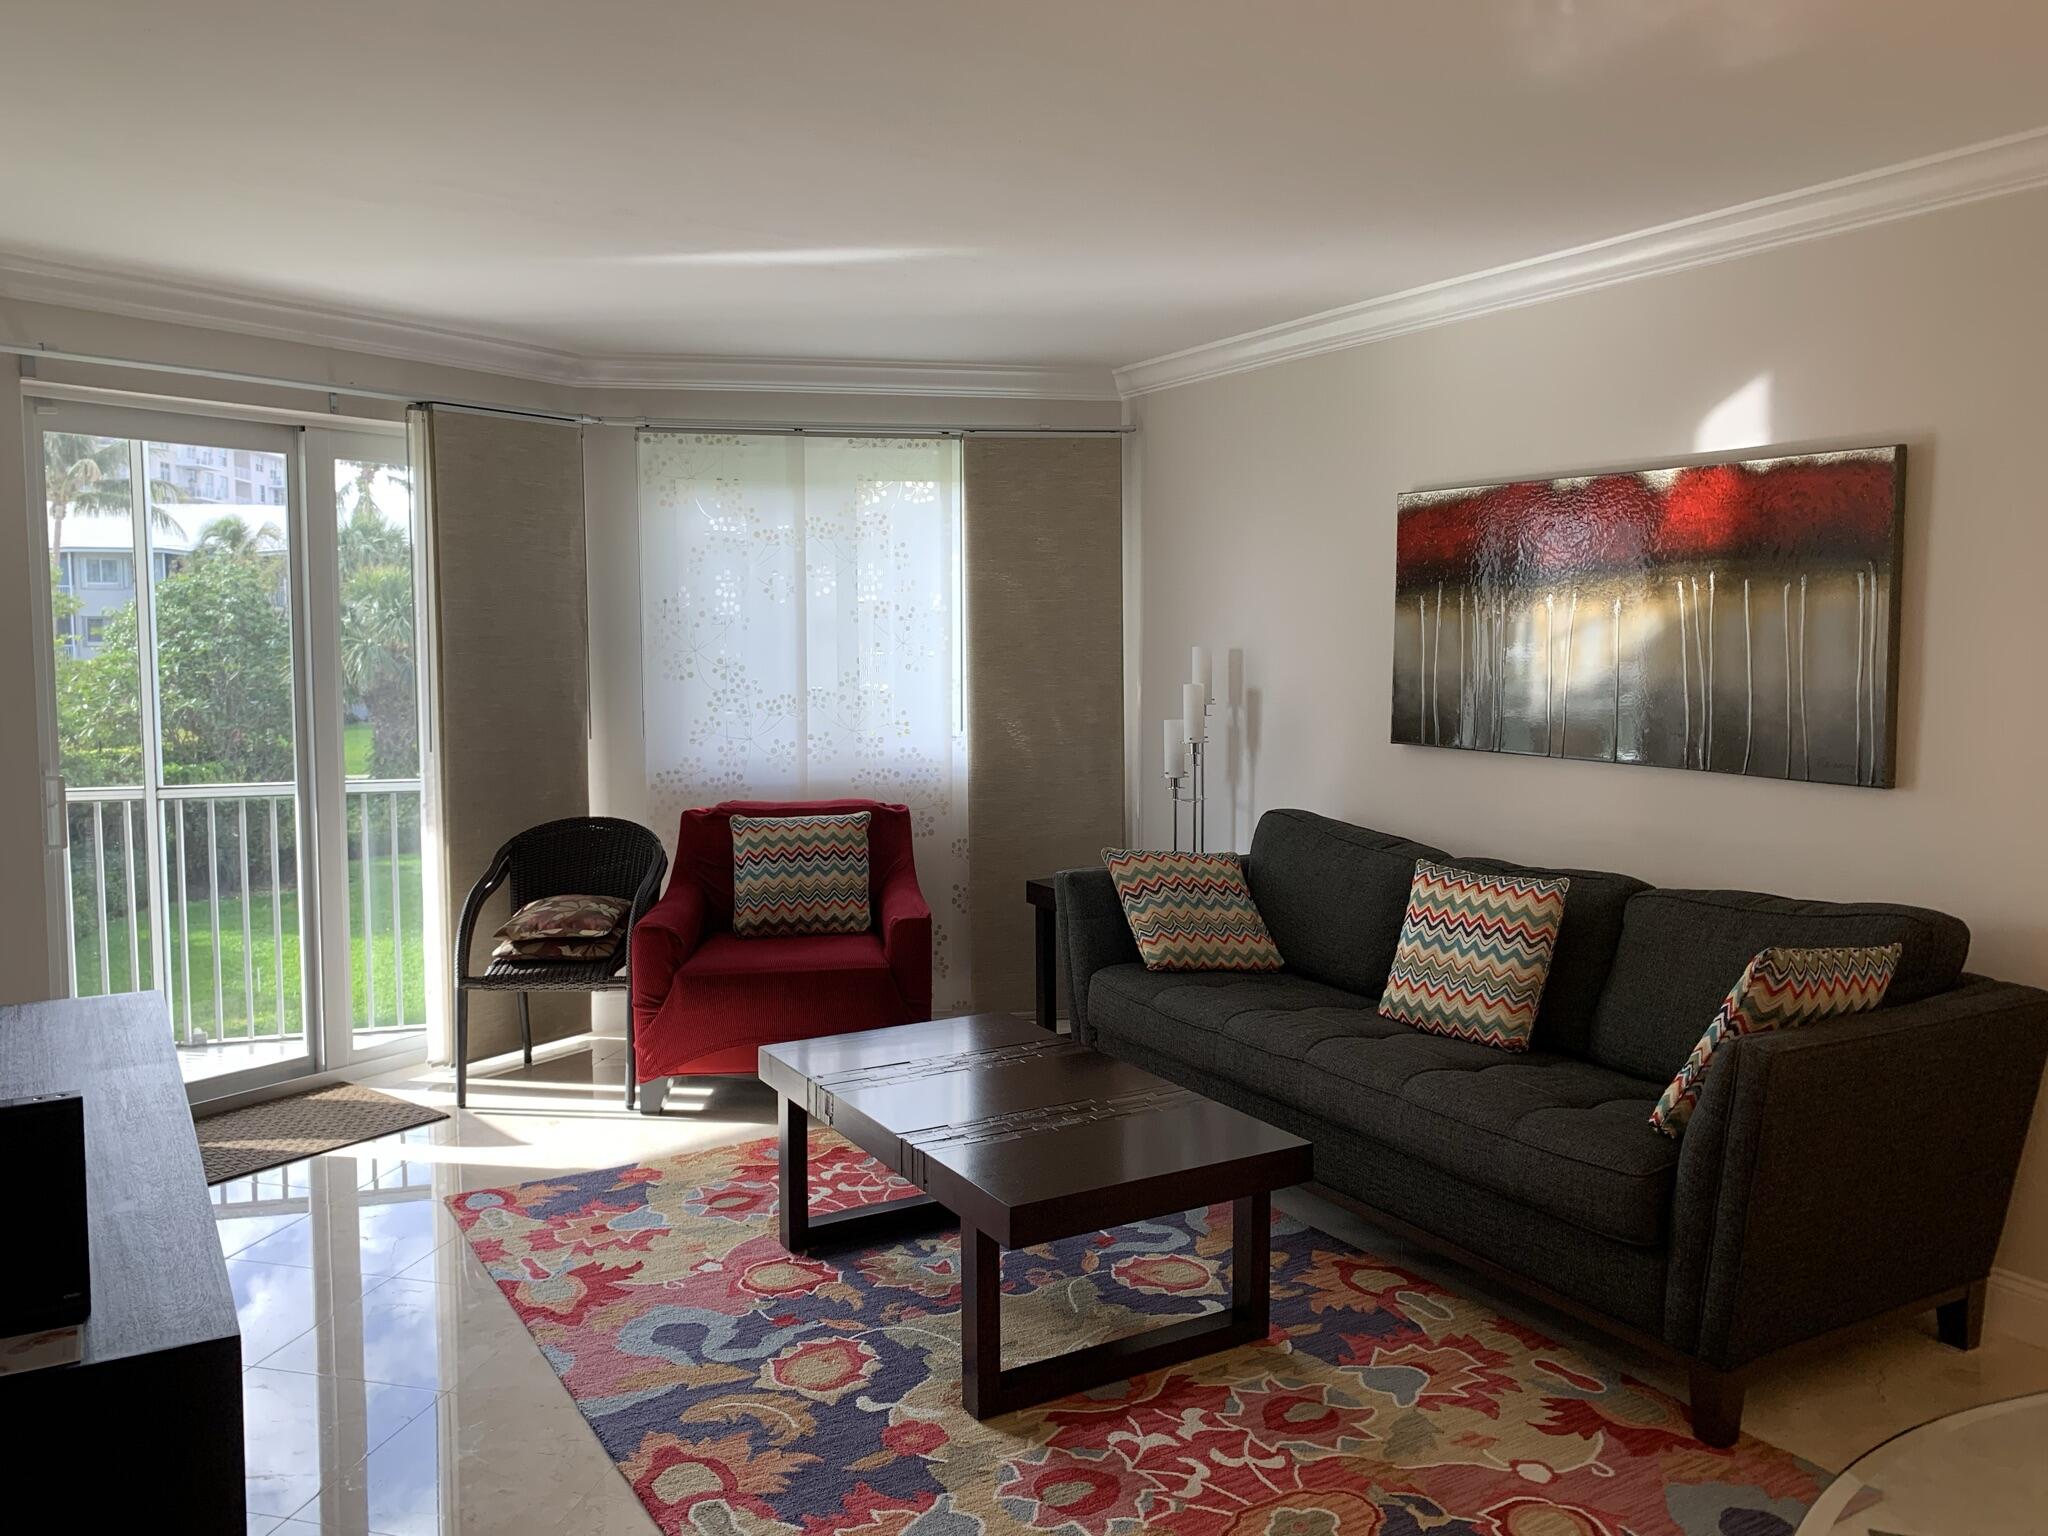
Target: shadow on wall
{"type": "Point", "coordinates": [1234, 791]}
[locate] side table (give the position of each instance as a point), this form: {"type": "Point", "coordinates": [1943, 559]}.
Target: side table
{"type": "Point", "coordinates": [1045, 903]}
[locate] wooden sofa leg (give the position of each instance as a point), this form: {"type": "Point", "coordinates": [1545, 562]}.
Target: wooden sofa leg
{"type": "Point", "coordinates": [1716, 1405]}
{"type": "Point", "coordinates": [1960, 1323]}
{"type": "Point", "coordinates": [652, 1093]}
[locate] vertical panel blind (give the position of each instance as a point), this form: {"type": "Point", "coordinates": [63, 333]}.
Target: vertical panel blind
{"type": "Point", "coordinates": [513, 646]}
{"type": "Point", "coordinates": [1045, 637]}
{"type": "Point", "coordinates": [801, 629]}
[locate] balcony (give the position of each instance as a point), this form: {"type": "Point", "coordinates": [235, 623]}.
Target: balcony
{"type": "Point", "coordinates": [229, 921]}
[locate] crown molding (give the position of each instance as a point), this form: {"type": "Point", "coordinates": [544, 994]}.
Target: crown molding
{"type": "Point", "coordinates": [1994, 168]}
{"type": "Point", "coordinates": [827, 376]}
{"type": "Point", "coordinates": [34, 280]}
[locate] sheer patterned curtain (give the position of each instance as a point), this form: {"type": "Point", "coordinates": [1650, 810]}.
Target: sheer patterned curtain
{"type": "Point", "coordinates": [801, 626]}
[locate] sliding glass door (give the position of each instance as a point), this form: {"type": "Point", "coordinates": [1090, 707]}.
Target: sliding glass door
{"type": "Point", "coordinates": [232, 730]}
{"type": "Point", "coordinates": [364, 571]}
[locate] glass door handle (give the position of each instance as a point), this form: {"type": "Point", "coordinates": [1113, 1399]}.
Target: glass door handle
{"type": "Point", "coordinates": [56, 820]}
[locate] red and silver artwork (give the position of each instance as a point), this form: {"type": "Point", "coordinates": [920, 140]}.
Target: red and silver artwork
{"type": "Point", "coordinates": [1739, 617]}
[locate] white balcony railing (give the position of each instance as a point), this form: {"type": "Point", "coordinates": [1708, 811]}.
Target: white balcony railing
{"type": "Point", "coordinates": [230, 925]}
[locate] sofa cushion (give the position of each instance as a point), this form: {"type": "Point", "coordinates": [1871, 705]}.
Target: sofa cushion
{"type": "Point", "coordinates": [1257, 1028]}
{"type": "Point", "coordinates": [733, 995]}
{"type": "Point", "coordinates": [731, 954]}
{"type": "Point", "coordinates": [1585, 948]}
{"type": "Point", "coordinates": [1333, 895]}
{"type": "Point", "coordinates": [1681, 951]}
{"type": "Point", "coordinates": [1562, 1135]}
{"type": "Point", "coordinates": [1190, 911]}
{"type": "Point", "coordinates": [1624, 1280]}
{"type": "Point", "coordinates": [1474, 954]}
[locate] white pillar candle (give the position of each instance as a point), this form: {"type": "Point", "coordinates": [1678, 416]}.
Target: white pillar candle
{"type": "Point", "coordinates": [1202, 675]}
{"type": "Point", "coordinates": [1194, 708]}
{"type": "Point", "coordinates": [1176, 752]}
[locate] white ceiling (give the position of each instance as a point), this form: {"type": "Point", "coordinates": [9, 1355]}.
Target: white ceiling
{"type": "Point", "coordinates": [1027, 182]}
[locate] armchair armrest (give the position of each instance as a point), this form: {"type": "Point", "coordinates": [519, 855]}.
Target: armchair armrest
{"type": "Point", "coordinates": [663, 937]}
{"type": "Point", "coordinates": [1094, 933]}
{"type": "Point", "coordinates": [906, 923]}
{"type": "Point", "coordinates": [472, 906]}
{"type": "Point", "coordinates": [1839, 1171]}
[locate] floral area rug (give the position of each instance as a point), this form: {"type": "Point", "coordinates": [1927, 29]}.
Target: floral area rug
{"type": "Point", "coordinates": [744, 1391]}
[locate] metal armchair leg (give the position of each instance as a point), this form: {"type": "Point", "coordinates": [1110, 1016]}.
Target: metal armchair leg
{"type": "Point", "coordinates": [631, 1072]}
{"type": "Point", "coordinates": [461, 1047]}
{"type": "Point", "coordinates": [525, 1031]}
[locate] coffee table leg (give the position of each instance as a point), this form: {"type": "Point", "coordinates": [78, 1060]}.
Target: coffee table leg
{"type": "Point", "coordinates": [986, 1389]}
{"type": "Point", "coordinates": [1251, 1260]}
{"type": "Point", "coordinates": [794, 1176]}
{"type": "Point", "coordinates": [803, 1230]}
{"type": "Point", "coordinates": [981, 1330]}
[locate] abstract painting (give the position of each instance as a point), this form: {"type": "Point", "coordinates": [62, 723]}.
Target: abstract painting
{"type": "Point", "coordinates": [1738, 617]}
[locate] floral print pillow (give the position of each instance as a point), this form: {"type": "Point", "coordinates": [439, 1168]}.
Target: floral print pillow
{"type": "Point", "coordinates": [555, 949]}
{"type": "Point", "coordinates": [565, 917]}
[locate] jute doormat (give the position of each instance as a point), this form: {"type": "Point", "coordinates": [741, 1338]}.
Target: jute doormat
{"type": "Point", "coordinates": [262, 1136]}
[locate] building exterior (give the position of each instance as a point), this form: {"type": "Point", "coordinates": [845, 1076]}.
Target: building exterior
{"type": "Point", "coordinates": [95, 558]}
{"type": "Point", "coordinates": [203, 473]}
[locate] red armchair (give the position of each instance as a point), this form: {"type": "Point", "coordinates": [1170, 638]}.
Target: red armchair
{"type": "Point", "coordinates": [705, 1000]}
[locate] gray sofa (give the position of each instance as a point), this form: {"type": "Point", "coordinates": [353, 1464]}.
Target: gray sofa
{"type": "Point", "coordinates": [1830, 1175]}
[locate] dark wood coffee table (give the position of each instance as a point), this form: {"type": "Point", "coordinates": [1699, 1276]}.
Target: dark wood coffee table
{"type": "Point", "coordinates": [1024, 1138]}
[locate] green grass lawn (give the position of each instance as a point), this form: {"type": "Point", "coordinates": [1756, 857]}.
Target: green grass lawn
{"type": "Point", "coordinates": [263, 955]}
{"type": "Point", "coordinates": [356, 740]}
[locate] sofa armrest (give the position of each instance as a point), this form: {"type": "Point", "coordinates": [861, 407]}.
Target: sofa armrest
{"type": "Point", "coordinates": [1093, 933]}
{"type": "Point", "coordinates": [1839, 1171]}
{"type": "Point", "coordinates": [906, 924]}
{"type": "Point", "coordinates": [663, 938]}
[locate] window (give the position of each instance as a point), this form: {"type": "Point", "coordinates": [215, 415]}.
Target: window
{"type": "Point", "coordinates": [287, 930]}
{"type": "Point", "coordinates": [800, 619]}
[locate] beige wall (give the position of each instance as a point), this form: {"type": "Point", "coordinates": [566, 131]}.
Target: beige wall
{"type": "Point", "coordinates": [1268, 523]}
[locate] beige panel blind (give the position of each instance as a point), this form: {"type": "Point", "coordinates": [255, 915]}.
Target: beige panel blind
{"type": "Point", "coordinates": [1044, 577]}
{"type": "Point", "coordinates": [513, 640]}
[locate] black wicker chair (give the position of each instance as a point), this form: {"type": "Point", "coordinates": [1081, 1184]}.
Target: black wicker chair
{"type": "Point", "coordinates": [582, 856]}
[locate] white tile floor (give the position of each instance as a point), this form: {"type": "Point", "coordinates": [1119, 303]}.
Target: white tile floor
{"type": "Point", "coordinates": [387, 1386]}
{"type": "Point", "coordinates": [389, 1389]}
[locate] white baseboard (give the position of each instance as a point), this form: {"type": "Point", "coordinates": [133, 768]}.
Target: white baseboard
{"type": "Point", "coordinates": [2017, 1307]}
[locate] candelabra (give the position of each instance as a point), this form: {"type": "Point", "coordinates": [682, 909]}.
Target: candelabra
{"type": "Point", "coordinates": [1186, 751]}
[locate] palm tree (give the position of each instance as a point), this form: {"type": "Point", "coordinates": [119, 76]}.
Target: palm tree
{"type": "Point", "coordinates": [368, 542]}
{"type": "Point", "coordinates": [82, 473]}
{"type": "Point", "coordinates": [232, 536]}
{"type": "Point", "coordinates": [377, 655]}
{"type": "Point", "coordinates": [377, 666]}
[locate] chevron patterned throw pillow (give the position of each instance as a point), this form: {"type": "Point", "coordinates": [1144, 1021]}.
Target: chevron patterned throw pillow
{"type": "Point", "coordinates": [1191, 911]}
{"type": "Point", "coordinates": [1474, 954]}
{"type": "Point", "coordinates": [800, 874]}
{"type": "Point", "coordinates": [1778, 989]}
